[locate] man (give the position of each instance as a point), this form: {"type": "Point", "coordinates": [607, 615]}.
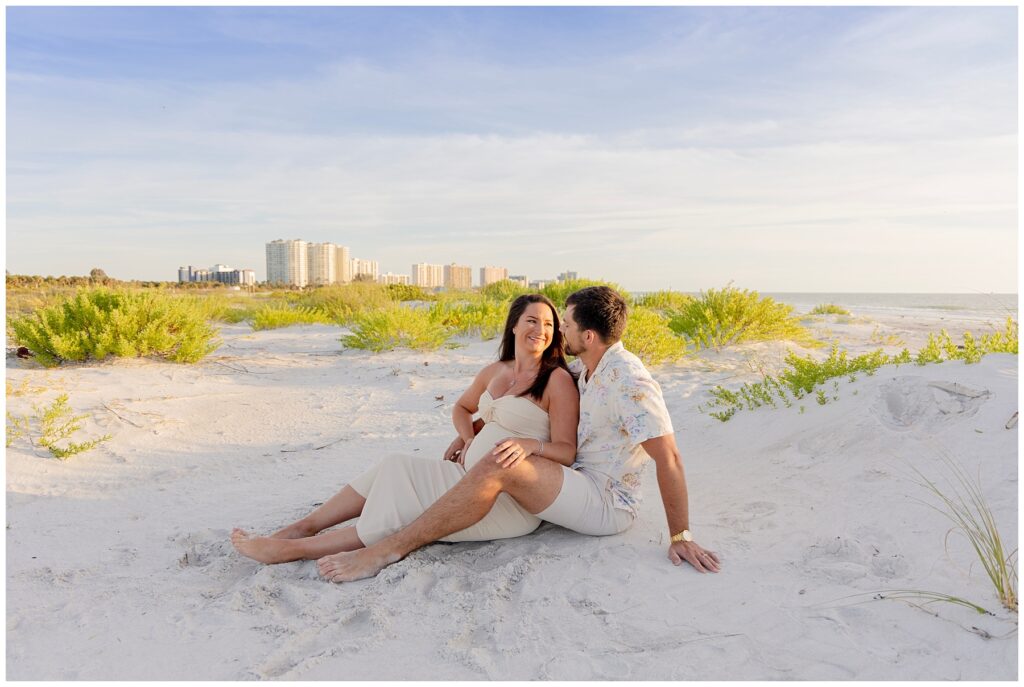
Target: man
{"type": "Point", "coordinates": [623, 421]}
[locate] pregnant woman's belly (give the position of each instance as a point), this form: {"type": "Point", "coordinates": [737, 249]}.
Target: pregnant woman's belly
{"type": "Point", "coordinates": [490, 435]}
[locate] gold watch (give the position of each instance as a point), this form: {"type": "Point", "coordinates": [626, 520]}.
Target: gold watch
{"type": "Point", "coordinates": [683, 536]}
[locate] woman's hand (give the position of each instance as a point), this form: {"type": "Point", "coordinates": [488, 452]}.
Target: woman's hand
{"type": "Point", "coordinates": [455, 449]}
{"type": "Point", "coordinates": [511, 450]}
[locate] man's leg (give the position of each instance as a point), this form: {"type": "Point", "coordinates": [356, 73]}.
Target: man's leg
{"type": "Point", "coordinates": [534, 483]}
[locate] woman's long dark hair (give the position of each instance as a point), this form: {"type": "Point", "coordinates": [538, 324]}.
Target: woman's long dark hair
{"type": "Point", "coordinates": [554, 354]}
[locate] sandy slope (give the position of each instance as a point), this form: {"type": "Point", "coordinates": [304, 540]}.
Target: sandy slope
{"type": "Point", "coordinates": [119, 566]}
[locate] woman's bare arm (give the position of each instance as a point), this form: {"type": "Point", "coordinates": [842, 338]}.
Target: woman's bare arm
{"type": "Point", "coordinates": [469, 402]}
{"type": "Point", "coordinates": [564, 414]}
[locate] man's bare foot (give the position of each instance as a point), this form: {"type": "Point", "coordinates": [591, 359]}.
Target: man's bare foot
{"type": "Point", "coordinates": [264, 549]}
{"type": "Point", "coordinates": [296, 530]}
{"type": "Point", "coordinates": [355, 565]}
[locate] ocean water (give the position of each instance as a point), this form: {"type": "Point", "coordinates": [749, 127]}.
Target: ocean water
{"type": "Point", "coordinates": [966, 306]}
{"type": "Point", "coordinates": [982, 307]}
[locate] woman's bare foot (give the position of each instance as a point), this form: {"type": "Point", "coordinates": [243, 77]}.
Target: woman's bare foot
{"type": "Point", "coordinates": [355, 565]}
{"type": "Point", "coordinates": [264, 549]}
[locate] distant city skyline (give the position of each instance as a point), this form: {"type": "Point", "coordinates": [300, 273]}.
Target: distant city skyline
{"type": "Point", "coordinates": [795, 149]}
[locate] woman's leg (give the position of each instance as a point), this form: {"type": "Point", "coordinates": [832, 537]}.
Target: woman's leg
{"type": "Point", "coordinates": [344, 505]}
{"type": "Point", "coordinates": [271, 550]}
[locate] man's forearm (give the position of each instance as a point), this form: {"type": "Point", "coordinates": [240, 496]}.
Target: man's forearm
{"type": "Point", "coordinates": [672, 485]}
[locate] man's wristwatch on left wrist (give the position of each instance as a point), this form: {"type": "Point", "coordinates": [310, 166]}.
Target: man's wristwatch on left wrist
{"type": "Point", "coordinates": [682, 536]}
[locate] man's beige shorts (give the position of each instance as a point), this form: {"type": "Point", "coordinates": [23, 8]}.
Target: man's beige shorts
{"type": "Point", "coordinates": [585, 506]}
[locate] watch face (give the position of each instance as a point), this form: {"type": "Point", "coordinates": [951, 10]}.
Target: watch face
{"type": "Point", "coordinates": [687, 536]}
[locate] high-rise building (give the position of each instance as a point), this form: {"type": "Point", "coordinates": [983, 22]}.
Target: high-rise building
{"type": "Point", "coordinates": [519, 279]}
{"type": "Point", "coordinates": [287, 262]}
{"type": "Point", "coordinates": [365, 270]}
{"type": "Point", "coordinates": [390, 278]}
{"type": "Point", "coordinates": [428, 276]}
{"type": "Point", "coordinates": [221, 273]}
{"type": "Point", "coordinates": [489, 274]}
{"type": "Point", "coordinates": [566, 276]}
{"type": "Point", "coordinates": [458, 276]}
{"type": "Point", "coordinates": [342, 265]}
{"type": "Point", "coordinates": [322, 263]}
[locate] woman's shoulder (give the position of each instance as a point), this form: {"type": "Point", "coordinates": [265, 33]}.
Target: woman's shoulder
{"type": "Point", "coordinates": [489, 372]}
{"type": "Point", "coordinates": [561, 379]}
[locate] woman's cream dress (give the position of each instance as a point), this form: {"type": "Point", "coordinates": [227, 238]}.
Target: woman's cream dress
{"type": "Point", "coordinates": [400, 488]}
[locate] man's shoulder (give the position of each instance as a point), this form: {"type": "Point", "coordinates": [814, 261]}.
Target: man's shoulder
{"type": "Point", "coordinates": [630, 367]}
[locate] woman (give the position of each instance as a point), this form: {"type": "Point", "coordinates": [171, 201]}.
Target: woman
{"type": "Point", "coordinates": [529, 404]}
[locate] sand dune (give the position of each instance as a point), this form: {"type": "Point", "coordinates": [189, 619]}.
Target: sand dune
{"type": "Point", "coordinates": [119, 564]}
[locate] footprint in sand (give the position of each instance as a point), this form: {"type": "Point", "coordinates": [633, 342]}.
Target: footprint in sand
{"type": "Point", "coordinates": [580, 666]}
{"type": "Point", "coordinates": [844, 559]}
{"type": "Point", "coordinates": [753, 516]}
{"type": "Point", "coordinates": [909, 402]}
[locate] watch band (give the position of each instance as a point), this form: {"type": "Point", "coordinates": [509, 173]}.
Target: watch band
{"type": "Point", "coordinates": [683, 536]}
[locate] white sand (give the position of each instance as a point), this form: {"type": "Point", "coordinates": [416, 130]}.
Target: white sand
{"type": "Point", "coordinates": [119, 565]}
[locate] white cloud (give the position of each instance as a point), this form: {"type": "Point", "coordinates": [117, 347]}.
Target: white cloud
{"type": "Point", "coordinates": [624, 173]}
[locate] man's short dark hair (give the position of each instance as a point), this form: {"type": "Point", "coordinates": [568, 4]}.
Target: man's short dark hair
{"type": "Point", "coordinates": [600, 309]}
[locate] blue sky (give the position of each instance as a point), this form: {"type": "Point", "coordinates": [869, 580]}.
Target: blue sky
{"type": "Point", "coordinates": [782, 149]}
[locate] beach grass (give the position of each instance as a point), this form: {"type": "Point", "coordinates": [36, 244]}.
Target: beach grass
{"type": "Point", "coordinates": [910, 595]}
{"type": "Point", "coordinates": [559, 291]}
{"type": "Point", "coordinates": [720, 317]}
{"type": "Point", "coordinates": [664, 302]}
{"type": "Point", "coordinates": [963, 503]}
{"type": "Point", "coordinates": [341, 303]}
{"type": "Point", "coordinates": [395, 327]}
{"type": "Point", "coordinates": [274, 317]}
{"type": "Point", "coordinates": [98, 322]}
{"type": "Point", "coordinates": [503, 291]}
{"type": "Point", "coordinates": [829, 309]}
{"type": "Point", "coordinates": [479, 317]}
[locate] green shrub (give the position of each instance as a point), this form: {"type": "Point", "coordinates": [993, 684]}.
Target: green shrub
{"type": "Point", "coordinates": [665, 302]}
{"type": "Point", "coordinates": [829, 309]}
{"type": "Point", "coordinates": [99, 322]}
{"type": "Point", "coordinates": [1001, 342]}
{"type": "Point", "coordinates": [274, 317]}
{"type": "Point", "coordinates": [408, 292]}
{"type": "Point", "coordinates": [804, 374]}
{"type": "Point", "coordinates": [647, 336]}
{"type": "Point", "coordinates": [395, 327]}
{"type": "Point", "coordinates": [485, 318]}
{"type": "Point", "coordinates": [56, 423]}
{"type": "Point", "coordinates": [719, 317]}
{"type": "Point", "coordinates": [559, 291]}
{"type": "Point", "coordinates": [503, 291]}
{"type": "Point", "coordinates": [341, 302]}
{"type": "Point", "coordinates": [221, 308]}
